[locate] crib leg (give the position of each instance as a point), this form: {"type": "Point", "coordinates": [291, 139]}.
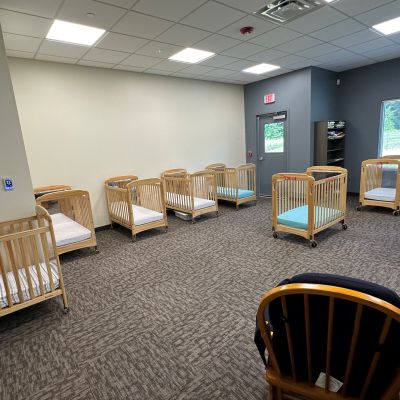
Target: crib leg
{"type": "Point", "coordinates": [359, 207]}
{"type": "Point", "coordinates": [112, 225]}
{"type": "Point", "coordinates": [96, 251]}
{"type": "Point", "coordinates": [65, 302]}
{"type": "Point", "coordinates": [193, 219]}
{"type": "Point", "coordinates": [134, 238]}
{"type": "Point", "coordinates": [165, 228]}
{"type": "Point", "coordinates": [217, 213]}
{"type": "Point", "coordinates": [344, 225]}
{"type": "Point", "coordinates": [237, 207]}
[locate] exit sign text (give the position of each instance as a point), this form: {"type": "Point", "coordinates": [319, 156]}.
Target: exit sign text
{"type": "Point", "coordinates": [269, 98]}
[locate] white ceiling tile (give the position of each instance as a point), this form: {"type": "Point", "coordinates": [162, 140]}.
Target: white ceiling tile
{"type": "Point", "coordinates": [218, 72]}
{"type": "Point", "coordinates": [105, 56]}
{"type": "Point", "coordinates": [380, 14]}
{"type": "Point", "coordinates": [23, 24]}
{"type": "Point", "coordinates": [275, 37]}
{"type": "Point", "coordinates": [64, 60]}
{"type": "Point", "coordinates": [52, 48]}
{"type": "Point", "coordinates": [249, 6]}
{"type": "Point", "coordinates": [243, 50]}
{"type": "Point", "coordinates": [105, 16]}
{"type": "Point", "coordinates": [219, 61]}
{"type": "Point", "coordinates": [21, 43]}
{"type": "Point", "coordinates": [287, 61]}
{"type": "Point", "coordinates": [129, 68]}
{"type": "Point", "coordinates": [315, 20]}
{"type": "Point", "coordinates": [244, 77]}
{"type": "Point", "coordinates": [43, 8]}
{"type": "Point", "coordinates": [356, 38]}
{"type": "Point", "coordinates": [97, 64]}
{"type": "Point", "coordinates": [240, 65]}
{"type": "Point", "coordinates": [212, 17]}
{"type": "Point", "coordinates": [216, 43]}
{"type": "Point", "coordinates": [334, 56]}
{"type": "Point", "coordinates": [395, 37]}
{"type": "Point", "coordinates": [157, 49]}
{"type": "Point", "coordinates": [260, 26]}
{"type": "Point", "coordinates": [371, 45]}
{"type": "Point", "coordinates": [267, 55]}
{"type": "Point", "coordinates": [182, 35]}
{"type": "Point", "coordinates": [121, 3]}
{"type": "Point", "coordinates": [335, 31]}
{"type": "Point", "coordinates": [299, 44]}
{"type": "Point", "coordinates": [319, 50]}
{"type": "Point", "coordinates": [157, 71]}
{"type": "Point", "coordinates": [173, 10]}
{"type": "Point", "coordinates": [115, 41]}
{"type": "Point", "coordinates": [391, 51]}
{"type": "Point", "coordinates": [197, 69]}
{"type": "Point", "coordinates": [183, 75]}
{"type": "Point", "coordinates": [136, 60]}
{"type": "Point", "coordinates": [167, 65]}
{"type": "Point", "coordinates": [354, 7]}
{"type": "Point", "coordinates": [141, 25]}
{"type": "Point", "coordinates": [303, 64]}
{"type": "Point", "coordinates": [19, 54]}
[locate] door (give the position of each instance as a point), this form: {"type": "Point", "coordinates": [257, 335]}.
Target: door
{"type": "Point", "coordinates": [272, 149]}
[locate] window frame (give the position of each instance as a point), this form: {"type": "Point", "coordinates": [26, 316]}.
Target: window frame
{"type": "Point", "coordinates": [382, 125]}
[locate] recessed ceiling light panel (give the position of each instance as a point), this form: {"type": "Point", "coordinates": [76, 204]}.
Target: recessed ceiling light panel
{"type": "Point", "coordinates": [388, 27]}
{"type": "Point", "coordinates": [261, 69]}
{"type": "Point", "coordinates": [191, 56]}
{"type": "Point", "coordinates": [68, 32]}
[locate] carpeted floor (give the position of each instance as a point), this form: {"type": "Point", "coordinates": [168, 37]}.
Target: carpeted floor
{"type": "Point", "coordinates": [172, 315]}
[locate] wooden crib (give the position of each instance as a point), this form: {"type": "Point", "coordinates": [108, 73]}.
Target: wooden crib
{"type": "Point", "coordinates": [194, 194]}
{"type": "Point", "coordinates": [40, 191]}
{"type": "Point", "coordinates": [236, 185]}
{"type": "Point", "coordinates": [71, 214]}
{"type": "Point", "coordinates": [307, 203]}
{"type": "Point", "coordinates": [136, 204]}
{"type": "Point", "coordinates": [30, 271]}
{"type": "Point", "coordinates": [374, 191]}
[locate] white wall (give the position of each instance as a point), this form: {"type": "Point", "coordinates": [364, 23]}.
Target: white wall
{"type": "Point", "coordinates": [18, 203]}
{"type": "Point", "coordinates": [82, 125]}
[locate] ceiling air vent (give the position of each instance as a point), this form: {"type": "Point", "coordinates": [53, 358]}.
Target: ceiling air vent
{"type": "Point", "coordinates": [283, 11]}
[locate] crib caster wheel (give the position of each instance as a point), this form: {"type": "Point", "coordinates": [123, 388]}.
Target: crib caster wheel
{"type": "Point", "coordinates": [275, 235]}
{"type": "Point", "coordinates": [344, 227]}
{"type": "Point", "coordinates": [396, 213]}
{"type": "Point", "coordinates": [96, 251]}
{"type": "Point", "coordinates": [66, 310]}
{"type": "Point", "coordinates": [313, 243]}
{"type": "Point", "coordinates": [165, 229]}
{"type": "Point", "coordinates": [358, 208]}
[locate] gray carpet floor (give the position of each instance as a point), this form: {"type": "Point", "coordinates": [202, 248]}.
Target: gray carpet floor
{"type": "Point", "coordinates": [172, 315]}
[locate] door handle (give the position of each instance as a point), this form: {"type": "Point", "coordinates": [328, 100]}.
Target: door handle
{"type": "Point", "coordinates": [261, 159]}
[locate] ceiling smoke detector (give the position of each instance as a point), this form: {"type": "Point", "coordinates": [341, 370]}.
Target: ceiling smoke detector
{"type": "Point", "coordinates": [282, 11]}
{"type": "Point", "coordinates": [246, 30]}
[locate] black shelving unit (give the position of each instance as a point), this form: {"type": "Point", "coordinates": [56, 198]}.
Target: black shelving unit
{"type": "Point", "coordinates": [329, 143]}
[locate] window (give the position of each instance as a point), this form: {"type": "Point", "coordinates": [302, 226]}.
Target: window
{"type": "Point", "coordinates": [274, 137]}
{"type": "Point", "coordinates": [390, 128]}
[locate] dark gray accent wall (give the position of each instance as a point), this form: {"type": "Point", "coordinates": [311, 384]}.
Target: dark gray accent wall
{"type": "Point", "coordinates": [324, 93]}
{"type": "Point", "coordinates": [293, 94]}
{"type": "Point", "coordinates": [361, 93]}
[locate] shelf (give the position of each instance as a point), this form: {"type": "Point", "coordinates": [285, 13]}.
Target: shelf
{"type": "Point", "coordinates": [336, 160]}
{"type": "Point", "coordinates": [340, 148]}
{"type": "Point", "coordinates": [336, 137]}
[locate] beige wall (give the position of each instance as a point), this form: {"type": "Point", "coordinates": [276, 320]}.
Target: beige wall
{"type": "Point", "coordinates": [82, 124]}
{"type": "Point", "coordinates": [18, 203]}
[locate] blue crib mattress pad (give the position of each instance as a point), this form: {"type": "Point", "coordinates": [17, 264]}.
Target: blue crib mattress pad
{"type": "Point", "coordinates": [231, 192]}
{"type": "Point", "coordinates": [298, 217]}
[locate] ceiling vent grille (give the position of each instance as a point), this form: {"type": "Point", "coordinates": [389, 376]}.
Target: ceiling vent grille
{"type": "Point", "coordinates": [282, 11]}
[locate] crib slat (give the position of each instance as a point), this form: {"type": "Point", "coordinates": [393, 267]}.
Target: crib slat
{"type": "Point", "coordinates": [5, 283]}
{"type": "Point", "coordinates": [308, 337]}
{"type": "Point", "coordinates": [43, 238]}
{"type": "Point", "coordinates": [14, 268]}
{"type": "Point", "coordinates": [37, 264]}
{"type": "Point", "coordinates": [24, 252]}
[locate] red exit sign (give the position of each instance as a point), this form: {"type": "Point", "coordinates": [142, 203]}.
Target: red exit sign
{"type": "Point", "coordinates": [269, 98]}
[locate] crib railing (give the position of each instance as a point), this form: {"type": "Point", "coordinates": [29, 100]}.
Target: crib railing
{"type": "Point", "coordinates": [120, 181]}
{"type": "Point", "coordinates": [178, 192]}
{"type": "Point", "coordinates": [175, 172]}
{"type": "Point", "coordinates": [39, 191]}
{"type": "Point", "coordinates": [203, 185]}
{"type": "Point", "coordinates": [147, 193]}
{"type": "Point", "coordinates": [247, 176]}
{"type": "Point", "coordinates": [27, 251]}
{"type": "Point", "coordinates": [372, 172]}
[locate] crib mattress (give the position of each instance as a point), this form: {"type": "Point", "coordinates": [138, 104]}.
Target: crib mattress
{"type": "Point", "coordinates": [381, 194]}
{"type": "Point", "coordinates": [231, 192]}
{"type": "Point", "coordinates": [68, 231]}
{"type": "Point", "coordinates": [24, 283]}
{"type": "Point", "coordinates": [143, 215]}
{"type": "Point", "coordinates": [298, 217]}
{"type": "Point", "coordinates": [199, 203]}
